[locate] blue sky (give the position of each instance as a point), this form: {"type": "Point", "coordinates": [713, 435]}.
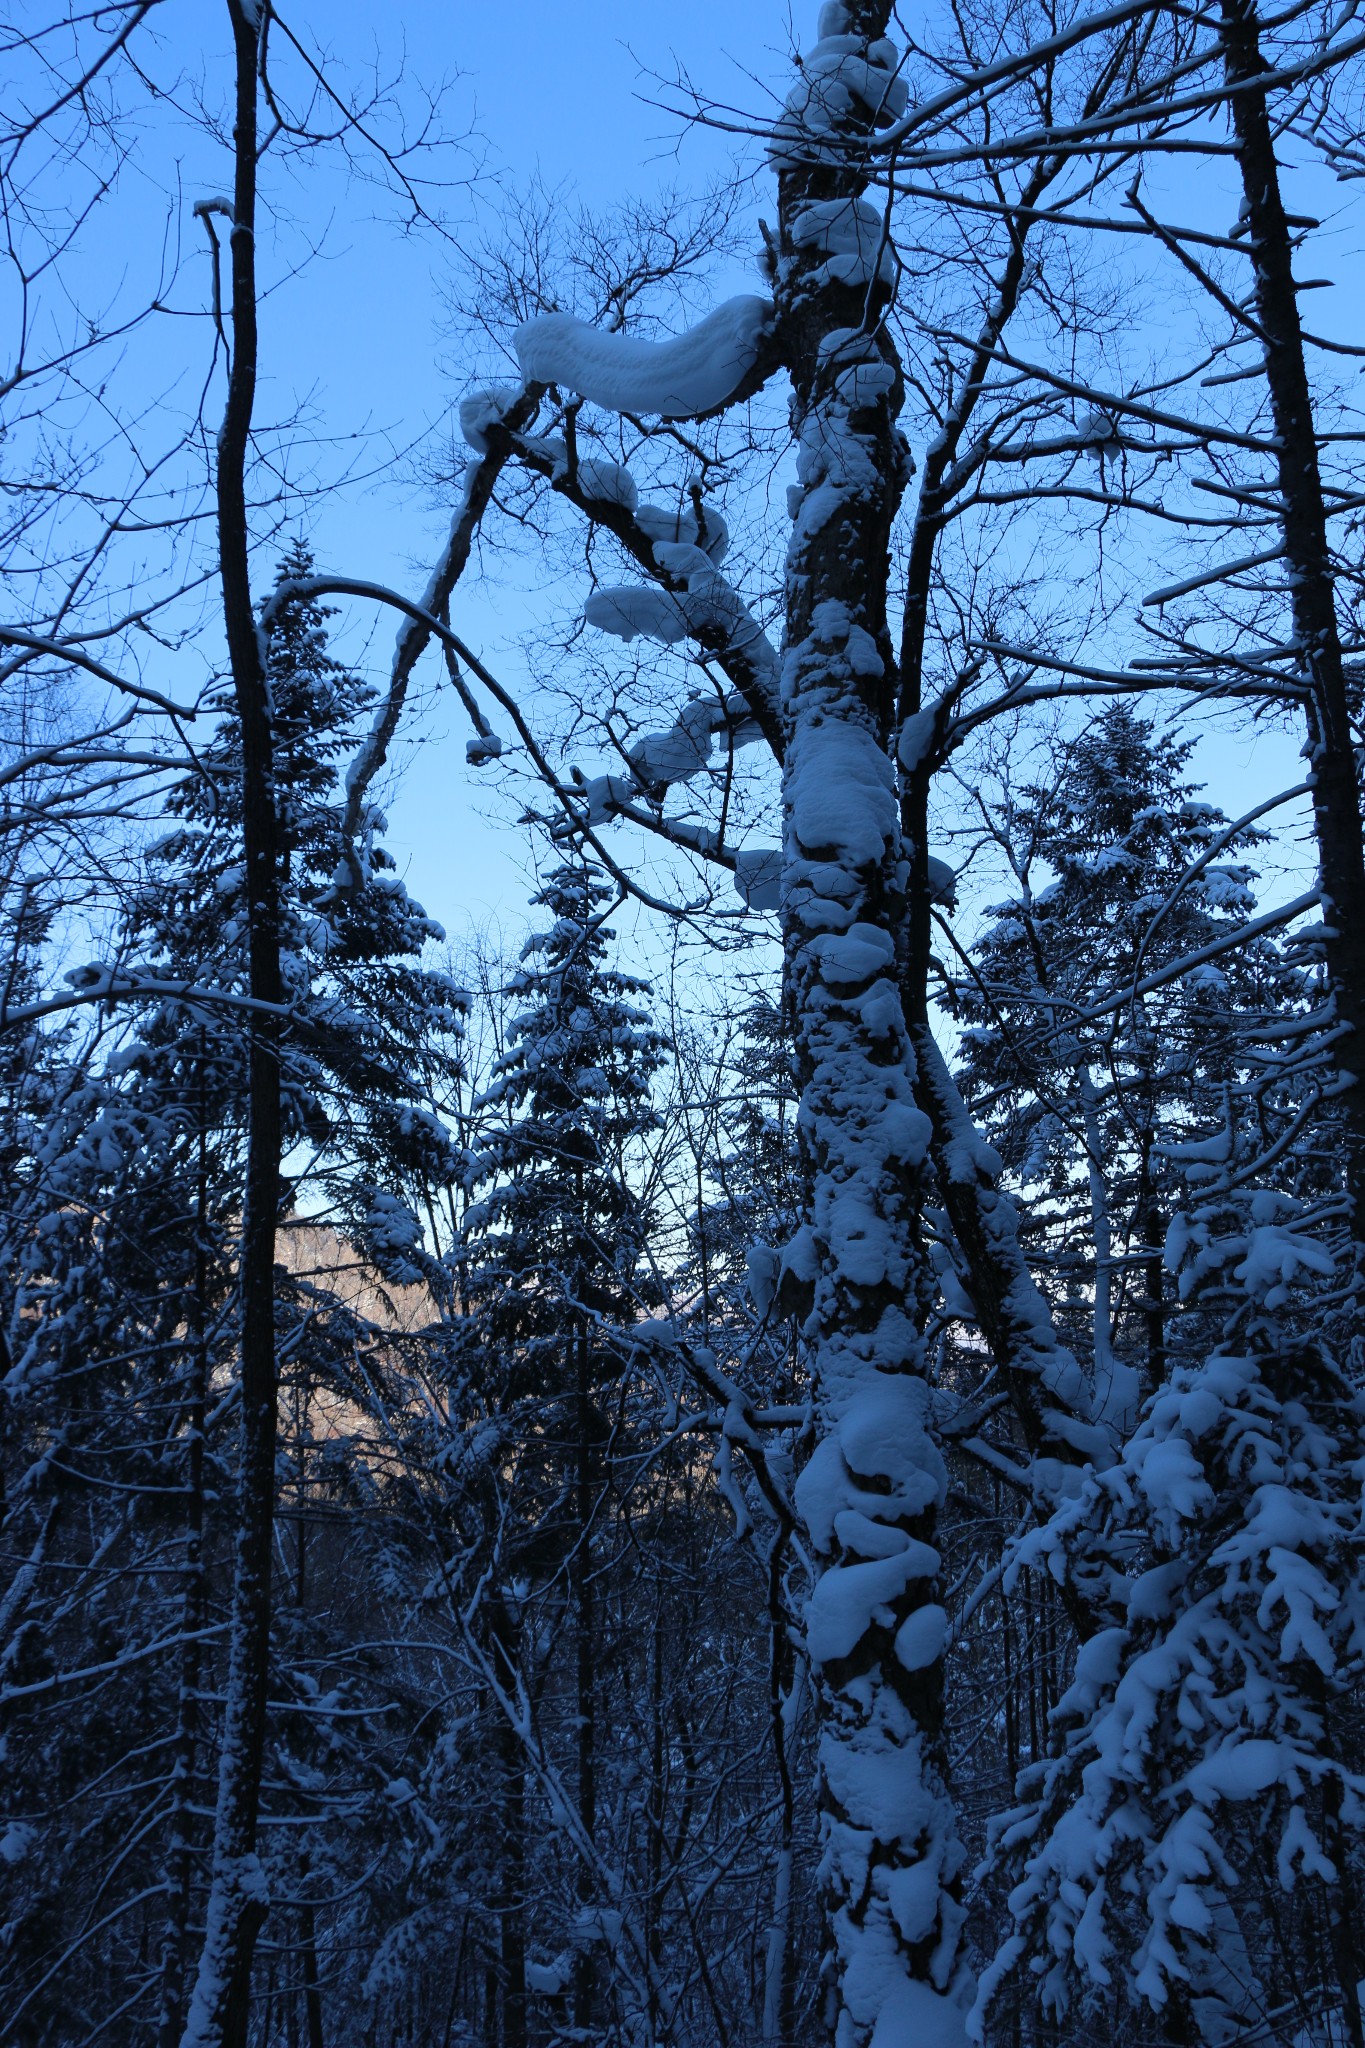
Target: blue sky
{"type": "Point", "coordinates": [550, 88]}
{"type": "Point", "coordinates": [359, 332]}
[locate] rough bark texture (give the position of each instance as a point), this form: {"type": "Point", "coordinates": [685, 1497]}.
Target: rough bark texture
{"type": "Point", "coordinates": [237, 1900]}
{"type": "Point", "coordinates": [1336, 806]}
{"type": "Point", "coordinates": [872, 1489]}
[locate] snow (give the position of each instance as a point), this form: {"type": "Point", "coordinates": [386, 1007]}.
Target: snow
{"type": "Point", "coordinates": [1201, 1699]}
{"type": "Point", "coordinates": [691, 374]}
{"type": "Point", "coordinates": [858, 1533]}
{"type": "Point", "coordinates": [681, 559]}
{"type": "Point", "coordinates": [637, 612]}
{"type": "Point", "coordinates": [839, 790]}
{"type": "Point", "coordinates": [853, 235]}
{"type": "Point", "coordinates": [883, 1434]}
{"type": "Point", "coordinates": [916, 2013]}
{"type": "Point", "coordinates": [942, 881]}
{"type": "Point", "coordinates": [762, 1266]}
{"type": "Point", "coordinates": [848, 1599]}
{"type": "Point", "coordinates": [675, 755]}
{"type": "Point", "coordinates": [483, 409]}
{"type": "Point", "coordinates": [921, 1637]}
{"type": "Point", "coordinates": [758, 876]}
{"type": "Point", "coordinates": [852, 956]}
{"type": "Point", "coordinates": [710, 610]}
{"type": "Point", "coordinates": [1275, 1254]}
{"type": "Point", "coordinates": [917, 736]}
{"type": "Point", "coordinates": [835, 75]}
{"type": "Point", "coordinates": [870, 1776]}
{"type": "Point", "coordinates": [605, 794]}
{"type": "Point", "coordinates": [712, 535]}
{"type": "Point", "coordinates": [16, 1841]}
{"type": "Point", "coordinates": [607, 483]}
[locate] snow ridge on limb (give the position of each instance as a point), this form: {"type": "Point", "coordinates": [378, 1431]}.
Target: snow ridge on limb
{"type": "Point", "coordinates": [721, 359]}
{"type": "Point", "coordinates": [858, 1269]}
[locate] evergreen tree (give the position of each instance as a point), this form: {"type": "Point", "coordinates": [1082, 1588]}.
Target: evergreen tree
{"type": "Point", "coordinates": [121, 1263]}
{"type": "Point", "coordinates": [1086, 1085]}
{"type": "Point", "coordinates": [552, 1273]}
{"type": "Point", "coordinates": [1191, 1848]}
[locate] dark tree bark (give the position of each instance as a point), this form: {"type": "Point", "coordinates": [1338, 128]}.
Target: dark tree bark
{"type": "Point", "coordinates": [237, 1901]}
{"type": "Point", "coordinates": [312, 1995]}
{"type": "Point", "coordinates": [510, 1904]}
{"type": "Point", "coordinates": [586, 1653]}
{"type": "Point", "coordinates": [180, 1857]}
{"type": "Point", "coordinates": [1331, 755]}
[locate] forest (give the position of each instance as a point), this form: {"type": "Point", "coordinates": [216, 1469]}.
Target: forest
{"type": "Point", "coordinates": [766, 1450]}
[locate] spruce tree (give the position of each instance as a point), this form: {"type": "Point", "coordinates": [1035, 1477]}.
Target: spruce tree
{"type": "Point", "coordinates": [124, 1172]}
{"type": "Point", "coordinates": [1120, 872]}
{"type": "Point", "coordinates": [552, 1273]}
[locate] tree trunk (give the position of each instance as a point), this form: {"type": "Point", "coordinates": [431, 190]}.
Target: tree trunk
{"type": "Point", "coordinates": [237, 1898]}
{"type": "Point", "coordinates": [586, 1651]}
{"type": "Point", "coordinates": [872, 1489]}
{"type": "Point", "coordinates": [1336, 804]}
{"type": "Point", "coordinates": [312, 1996]}
{"type": "Point", "coordinates": [510, 1904]}
{"type": "Point", "coordinates": [1047, 1387]}
{"type": "Point", "coordinates": [180, 1858]}
{"type": "Point", "coordinates": [787, 1683]}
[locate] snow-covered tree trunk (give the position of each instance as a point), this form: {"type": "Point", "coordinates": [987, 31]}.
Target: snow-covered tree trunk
{"type": "Point", "coordinates": [236, 1907]}
{"type": "Point", "coordinates": [872, 1489]}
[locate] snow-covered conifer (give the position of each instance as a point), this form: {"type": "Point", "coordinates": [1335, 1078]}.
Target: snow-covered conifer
{"type": "Point", "coordinates": [1191, 1847]}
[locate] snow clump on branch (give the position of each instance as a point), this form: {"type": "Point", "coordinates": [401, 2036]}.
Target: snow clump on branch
{"type": "Point", "coordinates": [482, 409]}
{"type": "Point", "coordinates": [693, 373]}
{"type": "Point", "coordinates": [840, 72]}
{"type": "Point", "coordinates": [852, 236]}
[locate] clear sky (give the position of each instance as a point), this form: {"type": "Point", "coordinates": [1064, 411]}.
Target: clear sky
{"type": "Point", "coordinates": [558, 89]}
{"type": "Point", "coordinates": [551, 88]}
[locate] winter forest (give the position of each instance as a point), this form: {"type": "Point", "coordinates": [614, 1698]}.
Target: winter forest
{"type": "Point", "coordinates": [765, 1449]}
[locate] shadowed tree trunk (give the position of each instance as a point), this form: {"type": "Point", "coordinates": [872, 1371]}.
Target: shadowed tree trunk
{"type": "Point", "coordinates": [1331, 754]}
{"type": "Point", "coordinates": [237, 1897]}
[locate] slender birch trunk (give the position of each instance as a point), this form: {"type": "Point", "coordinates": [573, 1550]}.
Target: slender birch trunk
{"type": "Point", "coordinates": [872, 1489]}
{"type": "Point", "coordinates": [237, 1897]}
{"type": "Point", "coordinates": [779, 2019]}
